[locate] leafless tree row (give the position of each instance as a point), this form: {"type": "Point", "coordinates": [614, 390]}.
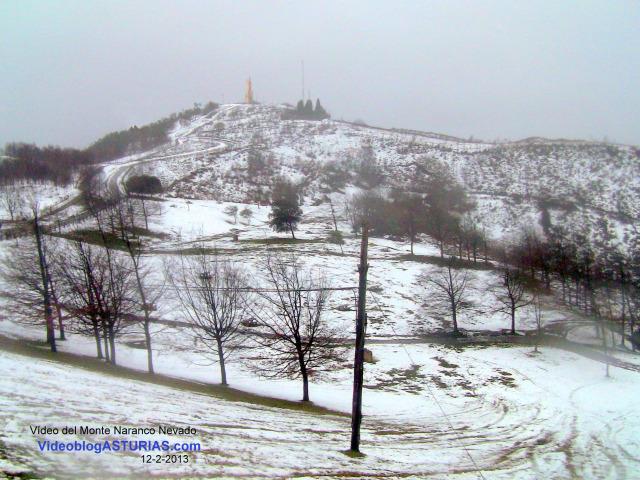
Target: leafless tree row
{"type": "Point", "coordinates": [100, 286]}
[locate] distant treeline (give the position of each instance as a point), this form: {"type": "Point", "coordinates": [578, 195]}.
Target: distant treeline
{"type": "Point", "coordinates": [28, 162]}
{"type": "Point", "coordinates": [25, 161]}
{"type": "Point", "coordinates": [118, 144]}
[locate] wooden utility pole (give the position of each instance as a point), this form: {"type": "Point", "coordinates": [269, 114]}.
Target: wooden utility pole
{"type": "Point", "coordinates": [361, 325]}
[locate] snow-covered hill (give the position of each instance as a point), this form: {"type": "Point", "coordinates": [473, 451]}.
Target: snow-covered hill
{"type": "Point", "coordinates": [592, 188]}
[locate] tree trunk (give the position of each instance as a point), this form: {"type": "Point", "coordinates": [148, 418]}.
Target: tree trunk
{"type": "Point", "coordinates": [54, 297]}
{"type": "Point", "coordinates": [48, 314]}
{"type": "Point", "coordinates": [60, 324]}
{"type": "Point", "coordinates": [513, 320]}
{"type": "Point", "coordinates": [144, 212]}
{"type": "Point", "coordinates": [305, 378]}
{"type": "Point", "coordinates": [622, 316]}
{"type": "Point", "coordinates": [293, 235]}
{"type": "Point", "coordinates": [454, 317]}
{"type": "Point", "coordinates": [305, 386]}
{"type": "Point", "coordinates": [147, 339]}
{"type": "Point", "coordinates": [145, 307]}
{"type": "Point", "coordinates": [223, 368]}
{"type": "Point", "coordinates": [604, 347]}
{"type": "Point", "coordinates": [96, 334]}
{"type": "Point", "coordinates": [112, 344]}
{"type": "Point", "coordinates": [105, 337]}
{"type": "Point", "coordinates": [411, 239]}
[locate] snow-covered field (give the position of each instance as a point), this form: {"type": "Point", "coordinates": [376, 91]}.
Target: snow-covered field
{"type": "Point", "coordinates": [431, 411]}
{"type": "Point", "coordinates": [46, 195]}
{"type": "Point", "coordinates": [516, 414]}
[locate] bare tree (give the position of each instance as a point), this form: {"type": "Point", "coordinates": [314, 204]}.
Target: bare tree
{"type": "Point", "coordinates": [114, 293]}
{"type": "Point", "coordinates": [29, 295]}
{"type": "Point", "coordinates": [232, 211]}
{"type": "Point", "coordinates": [336, 235]}
{"type": "Point", "coordinates": [214, 296]}
{"type": "Point", "coordinates": [247, 214]}
{"type": "Point", "coordinates": [27, 271]}
{"type": "Point", "coordinates": [297, 339]}
{"type": "Point", "coordinates": [410, 213]}
{"type": "Point", "coordinates": [537, 312]}
{"type": "Point", "coordinates": [12, 201]}
{"type": "Point", "coordinates": [511, 294]}
{"type": "Point", "coordinates": [125, 223]}
{"type": "Point", "coordinates": [451, 286]}
{"type": "Point", "coordinates": [81, 272]}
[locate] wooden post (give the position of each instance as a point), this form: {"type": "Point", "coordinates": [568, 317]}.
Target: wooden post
{"type": "Point", "coordinates": [361, 325]}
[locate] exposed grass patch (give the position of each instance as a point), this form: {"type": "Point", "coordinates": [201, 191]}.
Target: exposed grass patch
{"type": "Point", "coordinates": [281, 241]}
{"type": "Point", "coordinates": [443, 262]}
{"type": "Point", "coordinates": [198, 251]}
{"type": "Point", "coordinates": [407, 379]}
{"type": "Point", "coordinates": [145, 232]}
{"type": "Point", "coordinates": [110, 240]}
{"type": "Point", "coordinates": [505, 378]}
{"type": "Point", "coordinates": [352, 454]}
{"type": "Point", "coordinates": [443, 363]}
{"type": "Point", "coordinates": [94, 237]}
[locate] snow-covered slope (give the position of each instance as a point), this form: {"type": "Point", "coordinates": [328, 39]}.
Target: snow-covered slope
{"type": "Point", "coordinates": [584, 186]}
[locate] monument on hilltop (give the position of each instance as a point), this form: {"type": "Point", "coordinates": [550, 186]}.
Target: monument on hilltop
{"type": "Point", "coordinates": [248, 92]}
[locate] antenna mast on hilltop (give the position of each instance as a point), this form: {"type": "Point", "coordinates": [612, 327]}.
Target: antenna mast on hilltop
{"type": "Point", "coordinates": [303, 80]}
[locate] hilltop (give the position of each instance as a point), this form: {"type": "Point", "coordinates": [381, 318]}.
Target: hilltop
{"type": "Point", "coordinates": [588, 187]}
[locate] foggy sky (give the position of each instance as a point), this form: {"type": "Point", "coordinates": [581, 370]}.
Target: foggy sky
{"type": "Point", "coordinates": [71, 71]}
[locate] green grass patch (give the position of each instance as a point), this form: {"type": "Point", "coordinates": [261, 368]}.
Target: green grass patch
{"type": "Point", "coordinates": [443, 262]}
{"type": "Point", "coordinates": [281, 241]}
{"type": "Point", "coordinates": [352, 454]}
{"type": "Point", "coordinates": [110, 240]}
{"type": "Point", "coordinates": [145, 232]}
{"type": "Point", "coordinates": [199, 251]}
{"type": "Point", "coordinates": [94, 237]}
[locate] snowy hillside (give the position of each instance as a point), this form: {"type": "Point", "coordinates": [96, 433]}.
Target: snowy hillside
{"type": "Point", "coordinates": [484, 404]}
{"type": "Point", "coordinates": [582, 185]}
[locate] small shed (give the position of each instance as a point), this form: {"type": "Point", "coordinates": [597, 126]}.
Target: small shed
{"type": "Point", "coordinates": [368, 356]}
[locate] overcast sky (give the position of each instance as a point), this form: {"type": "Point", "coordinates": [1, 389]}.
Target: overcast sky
{"type": "Point", "coordinates": [71, 71]}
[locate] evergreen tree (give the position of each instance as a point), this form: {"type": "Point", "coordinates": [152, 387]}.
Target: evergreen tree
{"type": "Point", "coordinates": [308, 107]}
{"type": "Point", "coordinates": [319, 111]}
{"type": "Point", "coordinates": [285, 210]}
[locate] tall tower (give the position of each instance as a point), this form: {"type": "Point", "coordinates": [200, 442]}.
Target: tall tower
{"type": "Point", "coordinates": [248, 92]}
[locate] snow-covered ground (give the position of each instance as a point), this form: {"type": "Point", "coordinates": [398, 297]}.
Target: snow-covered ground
{"type": "Point", "coordinates": [430, 411]}
{"type": "Point", "coordinates": [515, 413]}
{"type": "Point", "coordinates": [45, 195]}
{"type": "Point", "coordinates": [511, 413]}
